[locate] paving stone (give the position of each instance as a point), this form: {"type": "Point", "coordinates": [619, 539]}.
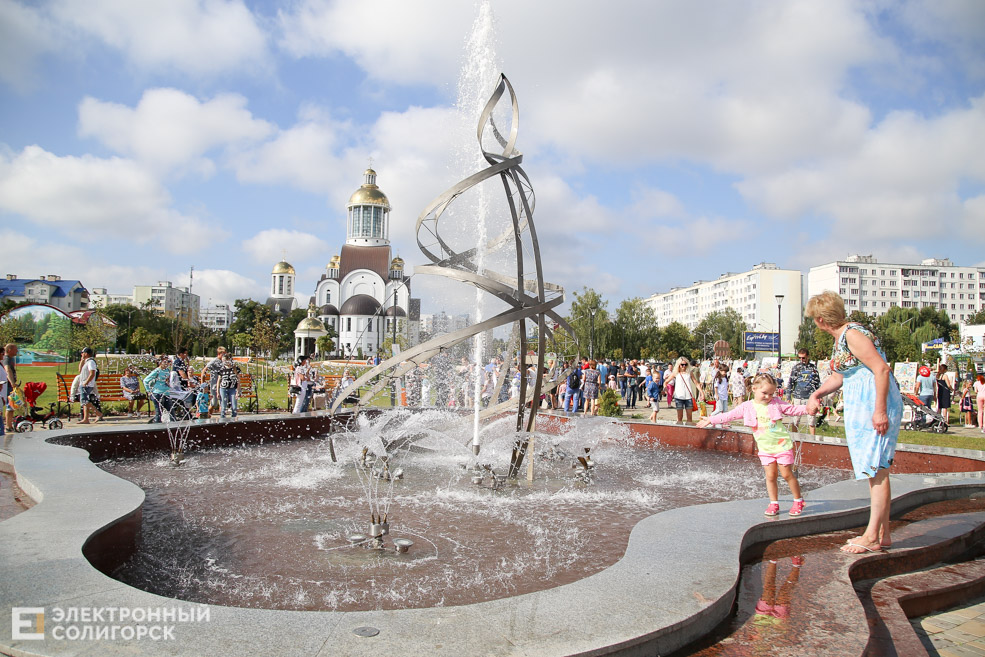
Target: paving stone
{"type": "Point", "coordinates": [957, 651]}
{"type": "Point", "coordinates": [975, 627]}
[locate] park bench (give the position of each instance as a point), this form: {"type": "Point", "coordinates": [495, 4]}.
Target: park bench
{"type": "Point", "coordinates": [330, 383]}
{"type": "Point", "coordinates": [108, 386]}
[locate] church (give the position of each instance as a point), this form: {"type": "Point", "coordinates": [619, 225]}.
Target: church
{"type": "Point", "coordinates": [363, 294]}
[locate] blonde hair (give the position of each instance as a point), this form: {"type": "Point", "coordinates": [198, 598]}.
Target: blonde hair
{"type": "Point", "coordinates": [682, 361]}
{"type": "Point", "coordinates": [828, 306]}
{"type": "Point", "coordinates": [762, 378]}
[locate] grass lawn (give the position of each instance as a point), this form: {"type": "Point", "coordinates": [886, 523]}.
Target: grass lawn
{"type": "Point", "coordinates": [921, 437]}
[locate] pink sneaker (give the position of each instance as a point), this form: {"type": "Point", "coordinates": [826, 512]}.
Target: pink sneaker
{"type": "Point", "coordinates": [797, 508]}
{"type": "Point", "coordinates": [773, 509]}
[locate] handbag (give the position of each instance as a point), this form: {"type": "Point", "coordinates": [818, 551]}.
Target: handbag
{"type": "Point", "coordinates": [694, 402]}
{"type": "Point", "coordinates": [294, 390]}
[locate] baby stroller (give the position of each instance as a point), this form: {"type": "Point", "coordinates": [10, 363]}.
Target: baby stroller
{"type": "Point", "coordinates": [183, 402]}
{"type": "Point", "coordinates": [922, 417]}
{"type": "Point", "coordinates": [49, 420]}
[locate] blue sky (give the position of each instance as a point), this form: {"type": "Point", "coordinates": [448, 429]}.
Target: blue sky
{"type": "Point", "coordinates": [667, 141]}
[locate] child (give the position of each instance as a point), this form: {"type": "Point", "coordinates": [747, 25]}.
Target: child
{"type": "Point", "coordinates": [612, 385]}
{"type": "Point", "coordinates": [763, 414]}
{"type": "Point", "coordinates": [202, 401]}
{"type": "Point", "coordinates": [721, 389]}
{"type": "Point", "coordinates": [967, 403]}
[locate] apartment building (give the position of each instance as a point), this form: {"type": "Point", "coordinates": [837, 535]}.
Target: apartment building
{"type": "Point", "coordinates": [753, 294]}
{"type": "Point", "coordinates": [217, 317]}
{"type": "Point", "coordinates": [165, 299]}
{"type": "Point", "coordinates": [874, 287]}
{"type": "Point", "coordinates": [100, 298]}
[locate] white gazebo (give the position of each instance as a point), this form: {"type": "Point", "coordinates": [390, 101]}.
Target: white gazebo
{"type": "Point", "coordinates": [307, 333]}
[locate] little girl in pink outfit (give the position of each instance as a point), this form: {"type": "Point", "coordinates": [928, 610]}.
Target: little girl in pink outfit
{"type": "Point", "coordinates": [763, 413]}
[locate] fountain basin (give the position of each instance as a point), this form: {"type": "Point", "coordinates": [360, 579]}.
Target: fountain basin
{"type": "Point", "coordinates": [675, 582]}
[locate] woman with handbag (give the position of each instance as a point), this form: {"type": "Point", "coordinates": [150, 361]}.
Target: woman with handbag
{"type": "Point", "coordinates": [685, 389]}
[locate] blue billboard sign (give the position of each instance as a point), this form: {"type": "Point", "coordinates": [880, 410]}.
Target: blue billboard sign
{"type": "Point", "coordinates": [753, 341]}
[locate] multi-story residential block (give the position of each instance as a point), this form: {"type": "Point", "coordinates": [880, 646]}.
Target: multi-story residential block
{"type": "Point", "coordinates": [100, 298]}
{"type": "Point", "coordinates": [217, 317]}
{"type": "Point", "coordinates": [165, 299]}
{"type": "Point", "coordinates": [874, 287]}
{"type": "Point", "coordinates": [754, 294]}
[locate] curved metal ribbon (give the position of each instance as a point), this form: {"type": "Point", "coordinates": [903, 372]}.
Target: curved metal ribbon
{"type": "Point", "coordinates": [526, 292]}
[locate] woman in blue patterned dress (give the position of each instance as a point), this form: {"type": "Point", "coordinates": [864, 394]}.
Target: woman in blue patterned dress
{"type": "Point", "coordinates": [873, 410]}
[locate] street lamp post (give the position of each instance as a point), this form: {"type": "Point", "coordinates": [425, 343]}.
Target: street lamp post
{"type": "Point", "coordinates": [704, 344]}
{"type": "Point", "coordinates": [393, 339]}
{"type": "Point", "coordinates": [129, 312]}
{"type": "Point", "coordinates": [779, 327]}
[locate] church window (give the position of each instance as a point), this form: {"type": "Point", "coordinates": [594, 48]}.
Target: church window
{"type": "Point", "coordinates": [348, 323]}
{"type": "Point", "coordinates": [369, 325]}
{"type": "Point", "coordinates": [377, 222]}
{"type": "Point", "coordinates": [280, 285]}
{"type": "Point", "coordinates": [328, 296]}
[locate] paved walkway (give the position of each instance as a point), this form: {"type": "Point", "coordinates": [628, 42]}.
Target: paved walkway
{"type": "Point", "coordinates": [959, 632]}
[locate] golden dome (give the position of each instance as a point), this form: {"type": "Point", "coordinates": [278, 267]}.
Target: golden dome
{"type": "Point", "coordinates": [310, 324]}
{"type": "Point", "coordinates": [369, 193]}
{"type": "Point", "coordinates": [335, 262]}
{"type": "Point", "coordinates": [283, 267]}
{"type": "Point", "coordinates": [397, 263]}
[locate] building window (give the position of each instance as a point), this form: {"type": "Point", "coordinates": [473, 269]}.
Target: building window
{"type": "Point", "coordinates": [369, 325]}
{"type": "Point", "coordinates": [348, 324]}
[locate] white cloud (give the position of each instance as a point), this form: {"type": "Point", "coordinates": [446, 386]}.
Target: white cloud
{"type": "Point", "coordinates": [171, 129]}
{"type": "Point", "coordinates": [956, 24]}
{"type": "Point", "coordinates": [274, 244]}
{"type": "Point", "coordinates": [215, 286]}
{"type": "Point", "coordinates": [25, 34]}
{"type": "Point", "coordinates": [92, 198]}
{"type": "Point", "coordinates": [197, 37]}
{"type": "Point", "coordinates": [404, 42]}
{"type": "Point", "coordinates": [305, 155]}
{"type": "Point", "coordinates": [902, 178]}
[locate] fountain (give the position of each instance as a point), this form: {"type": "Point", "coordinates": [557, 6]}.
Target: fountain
{"type": "Point", "coordinates": [621, 544]}
{"type": "Point", "coordinates": [524, 290]}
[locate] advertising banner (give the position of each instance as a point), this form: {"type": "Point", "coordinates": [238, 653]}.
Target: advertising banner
{"type": "Point", "coordinates": [753, 341]}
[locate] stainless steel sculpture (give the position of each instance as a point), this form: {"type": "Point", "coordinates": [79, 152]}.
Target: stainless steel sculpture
{"type": "Point", "coordinates": [525, 291]}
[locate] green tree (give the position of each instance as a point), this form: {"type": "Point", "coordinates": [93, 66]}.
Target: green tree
{"type": "Point", "coordinates": [805, 334]}
{"type": "Point", "coordinates": [94, 333]}
{"type": "Point", "coordinates": [583, 305]}
{"type": "Point", "coordinates": [245, 315]}
{"type": "Point", "coordinates": [242, 341]}
{"type": "Point", "coordinates": [142, 339]}
{"type": "Point", "coordinates": [264, 336]}
{"type": "Point", "coordinates": [386, 349]}
{"type": "Point", "coordinates": [976, 319]}
{"type": "Point", "coordinates": [637, 324]}
{"type": "Point", "coordinates": [286, 326]}
{"type": "Point", "coordinates": [326, 343]}
{"type": "Point", "coordinates": [725, 325]}
{"type": "Point", "coordinates": [675, 341]}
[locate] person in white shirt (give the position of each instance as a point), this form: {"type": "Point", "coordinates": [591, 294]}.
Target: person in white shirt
{"type": "Point", "coordinates": [88, 395]}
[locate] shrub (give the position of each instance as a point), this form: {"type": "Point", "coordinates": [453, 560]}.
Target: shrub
{"type": "Point", "coordinates": [609, 404]}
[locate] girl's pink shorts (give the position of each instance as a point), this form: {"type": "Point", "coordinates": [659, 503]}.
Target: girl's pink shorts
{"type": "Point", "coordinates": [783, 458]}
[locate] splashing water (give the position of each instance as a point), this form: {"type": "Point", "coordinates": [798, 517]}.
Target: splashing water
{"type": "Point", "coordinates": [479, 75]}
{"type": "Point", "coordinates": [267, 526]}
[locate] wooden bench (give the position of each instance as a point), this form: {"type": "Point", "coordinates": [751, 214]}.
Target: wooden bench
{"type": "Point", "coordinates": [329, 381]}
{"type": "Point", "coordinates": [107, 385]}
{"type": "Point", "coordinates": [247, 390]}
